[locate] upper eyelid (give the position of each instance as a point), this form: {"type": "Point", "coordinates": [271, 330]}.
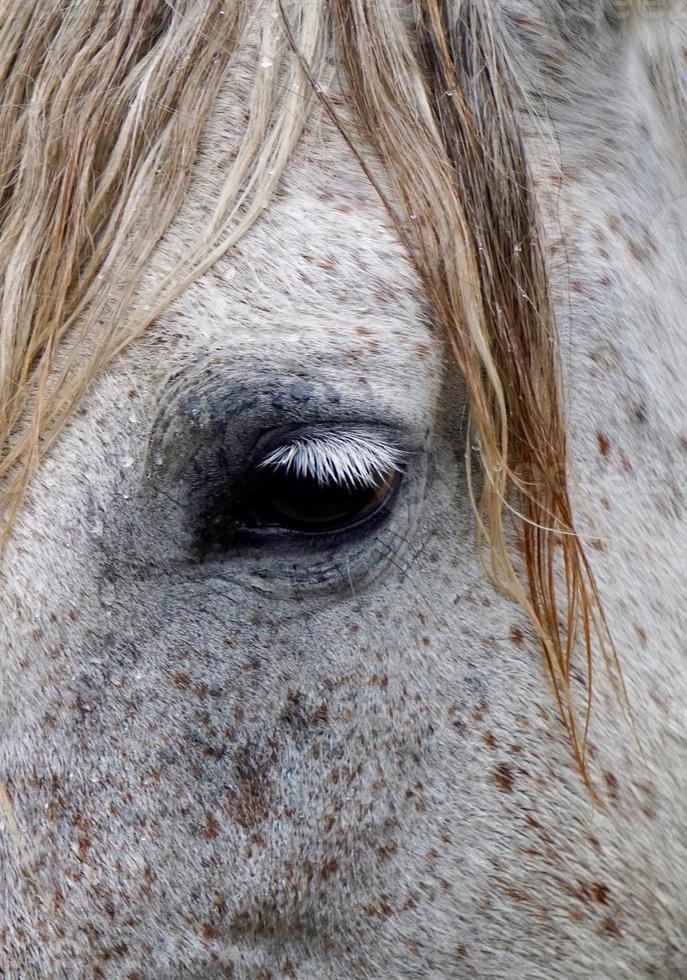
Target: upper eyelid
{"type": "Point", "coordinates": [352, 458]}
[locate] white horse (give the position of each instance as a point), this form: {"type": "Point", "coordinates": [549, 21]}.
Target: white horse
{"type": "Point", "coordinates": [344, 430]}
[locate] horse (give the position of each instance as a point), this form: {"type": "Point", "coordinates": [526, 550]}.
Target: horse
{"type": "Point", "coordinates": [343, 465]}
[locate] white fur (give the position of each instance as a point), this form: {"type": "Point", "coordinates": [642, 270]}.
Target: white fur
{"type": "Point", "coordinates": [347, 763]}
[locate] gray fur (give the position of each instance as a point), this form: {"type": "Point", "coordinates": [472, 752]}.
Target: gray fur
{"type": "Point", "coordinates": [345, 762]}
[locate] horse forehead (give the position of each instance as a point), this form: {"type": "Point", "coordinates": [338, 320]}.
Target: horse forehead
{"type": "Point", "coordinates": [323, 264]}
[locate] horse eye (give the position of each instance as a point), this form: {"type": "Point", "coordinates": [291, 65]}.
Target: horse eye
{"type": "Point", "coordinates": [294, 502]}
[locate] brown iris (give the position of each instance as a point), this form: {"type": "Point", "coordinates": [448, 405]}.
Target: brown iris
{"type": "Point", "coordinates": [302, 503]}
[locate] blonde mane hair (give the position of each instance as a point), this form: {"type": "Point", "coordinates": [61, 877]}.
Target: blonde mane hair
{"type": "Point", "coordinates": [102, 112]}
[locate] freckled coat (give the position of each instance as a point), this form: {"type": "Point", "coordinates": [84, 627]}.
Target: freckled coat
{"type": "Point", "coordinates": [349, 764]}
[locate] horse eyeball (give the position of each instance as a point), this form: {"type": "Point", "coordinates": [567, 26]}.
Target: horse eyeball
{"type": "Point", "coordinates": [302, 503]}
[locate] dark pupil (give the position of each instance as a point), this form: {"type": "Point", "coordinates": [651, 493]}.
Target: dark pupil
{"type": "Point", "coordinates": [300, 503]}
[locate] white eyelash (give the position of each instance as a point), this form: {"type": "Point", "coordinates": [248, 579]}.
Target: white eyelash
{"type": "Point", "coordinates": [348, 459]}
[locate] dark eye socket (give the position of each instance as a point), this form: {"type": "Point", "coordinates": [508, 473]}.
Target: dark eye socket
{"type": "Point", "coordinates": [295, 502]}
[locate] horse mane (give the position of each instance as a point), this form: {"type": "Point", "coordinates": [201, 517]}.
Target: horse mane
{"type": "Point", "coordinates": [101, 119]}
